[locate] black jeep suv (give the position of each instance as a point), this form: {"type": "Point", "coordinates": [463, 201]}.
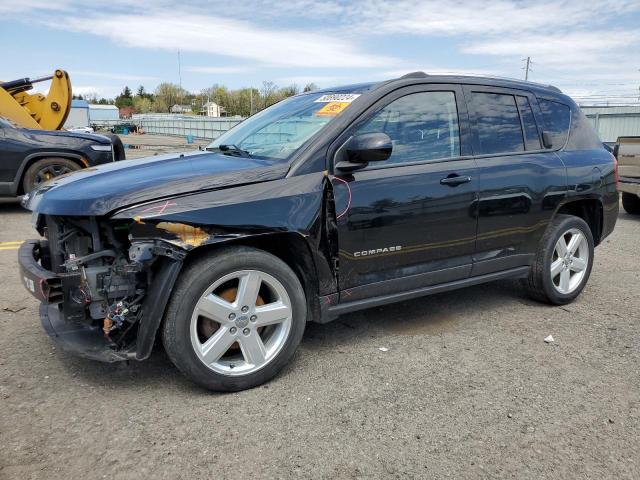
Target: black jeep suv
{"type": "Point", "coordinates": [30, 157]}
{"type": "Point", "coordinates": [325, 203]}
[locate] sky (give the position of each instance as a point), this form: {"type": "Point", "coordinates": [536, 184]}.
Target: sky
{"type": "Point", "coordinates": [591, 50]}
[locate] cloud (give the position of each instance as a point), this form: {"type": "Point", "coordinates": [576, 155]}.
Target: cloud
{"type": "Point", "coordinates": [479, 17]}
{"type": "Point", "coordinates": [440, 70]}
{"type": "Point", "coordinates": [13, 7]}
{"type": "Point", "coordinates": [106, 91]}
{"type": "Point", "coordinates": [113, 76]}
{"type": "Point", "coordinates": [219, 70]}
{"type": "Point", "coordinates": [88, 90]}
{"type": "Point", "coordinates": [570, 41]}
{"type": "Point", "coordinates": [223, 36]}
{"type": "Point", "coordinates": [319, 80]}
{"type": "Point", "coordinates": [573, 49]}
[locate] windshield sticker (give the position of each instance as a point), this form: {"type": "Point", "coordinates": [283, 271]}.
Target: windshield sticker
{"type": "Point", "coordinates": [338, 97]}
{"type": "Point", "coordinates": [332, 109]}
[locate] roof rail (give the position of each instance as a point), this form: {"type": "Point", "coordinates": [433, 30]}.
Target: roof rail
{"type": "Point", "coordinates": [420, 74]}
{"type": "Point", "coordinates": [415, 75]}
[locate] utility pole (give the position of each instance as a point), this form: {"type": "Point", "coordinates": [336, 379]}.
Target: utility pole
{"type": "Point", "coordinates": [526, 68]}
{"type": "Point", "coordinates": [251, 102]}
{"type": "Point", "coordinates": [179, 70]}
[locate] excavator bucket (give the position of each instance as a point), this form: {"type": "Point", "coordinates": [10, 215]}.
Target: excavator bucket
{"type": "Point", "coordinates": [37, 110]}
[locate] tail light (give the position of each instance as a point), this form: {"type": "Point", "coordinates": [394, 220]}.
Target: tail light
{"type": "Point", "coordinates": [616, 175]}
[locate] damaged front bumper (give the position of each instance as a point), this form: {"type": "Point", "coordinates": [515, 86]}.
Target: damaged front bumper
{"type": "Point", "coordinates": [52, 290]}
{"type": "Point", "coordinates": [82, 340]}
{"type": "Point", "coordinates": [64, 318]}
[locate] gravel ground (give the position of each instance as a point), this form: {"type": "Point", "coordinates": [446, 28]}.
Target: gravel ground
{"type": "Point", "coordinates": [467, 389]}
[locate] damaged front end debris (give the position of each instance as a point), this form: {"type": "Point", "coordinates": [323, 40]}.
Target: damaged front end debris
{"type": "Point", "coordinates": [104, 285]}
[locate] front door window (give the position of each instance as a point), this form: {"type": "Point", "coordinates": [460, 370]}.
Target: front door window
{"type": "Point", "coordinates": [422, 126]}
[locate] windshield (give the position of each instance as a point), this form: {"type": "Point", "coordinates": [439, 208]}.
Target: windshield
{"type": "Point", "coordinates": [278, 131]}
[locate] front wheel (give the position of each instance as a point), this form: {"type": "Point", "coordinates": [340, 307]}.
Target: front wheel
{"type": "Point", "coordinates": [235, 319]}
{"type": "Point", "coordinates": [563, 262]}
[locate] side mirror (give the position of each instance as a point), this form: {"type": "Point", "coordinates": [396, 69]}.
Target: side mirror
{"type": "Point", "coordinates": [546, 139]}
{"type": "Point", "coordinates": [359, 150]}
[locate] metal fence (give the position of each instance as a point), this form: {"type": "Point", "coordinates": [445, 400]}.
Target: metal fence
{"type": "Point", "coordinates": [613, 122]}
{"type": "Point", "coordinates": [199, 127]}
{"type": "Point", "coordinates": [105, 123]}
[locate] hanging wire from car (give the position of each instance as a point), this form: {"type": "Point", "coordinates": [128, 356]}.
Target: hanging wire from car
{"type": "Point", "coordinates": [349, 201]}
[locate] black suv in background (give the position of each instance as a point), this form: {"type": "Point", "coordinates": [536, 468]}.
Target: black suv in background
{"type": "Point", "coordinates": [325, 203]}
{"type": "Point", "coordinates": [30, 157]}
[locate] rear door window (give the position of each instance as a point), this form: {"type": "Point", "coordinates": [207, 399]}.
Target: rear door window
{"type": "Point", "coordinates": [531, 137]}
{"type": "Point", "coordinates": [556, 118]}
{"type": "Point", "coordinates": [497, 122]}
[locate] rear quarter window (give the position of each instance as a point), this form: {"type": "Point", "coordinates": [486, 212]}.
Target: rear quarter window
{"type": "Point", "coordinates": [556, 117]}
{"type": "Point", "coordinates": [582, 135]}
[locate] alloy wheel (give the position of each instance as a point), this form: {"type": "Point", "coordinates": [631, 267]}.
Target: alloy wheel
{"type": "Point", "coordinates": [570, 261]}
{"type": "Point", "coordinates": [50, 171]}
{"type": "Point", "coordinates": [241, 322]}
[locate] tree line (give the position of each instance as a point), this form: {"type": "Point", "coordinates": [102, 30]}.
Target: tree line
{"type": "Point", "coordinates": [242, 102]}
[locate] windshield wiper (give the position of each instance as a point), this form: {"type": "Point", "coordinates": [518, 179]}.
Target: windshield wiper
{"type": "Point", "coordinates": [234, 150]}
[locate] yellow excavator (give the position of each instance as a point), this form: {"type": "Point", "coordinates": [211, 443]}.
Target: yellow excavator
{"type": "Point", "coordinates": [53, 155]}
{"type": "Point", "coordinates": [35, 110]}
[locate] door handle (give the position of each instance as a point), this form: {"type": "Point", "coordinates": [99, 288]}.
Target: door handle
{"type": "Point", "coordinates": [454, 180]}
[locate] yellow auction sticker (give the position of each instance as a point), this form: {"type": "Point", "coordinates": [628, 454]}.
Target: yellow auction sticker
{"type": "Point", "coordinates": [332, 109]}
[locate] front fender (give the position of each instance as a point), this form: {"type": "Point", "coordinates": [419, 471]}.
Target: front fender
{"type": "Point", "coordinates": [291, 203]}
{"type": "Point", "coordinates": [35, 156]}
{"type": "Point", "coordinates": [293, 206]}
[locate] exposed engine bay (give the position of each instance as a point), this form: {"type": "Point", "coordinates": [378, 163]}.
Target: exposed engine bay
{"type": "Point", "coordinates": [106, 273]}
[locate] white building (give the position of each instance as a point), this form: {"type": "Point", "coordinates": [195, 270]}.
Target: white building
{"type": "Point", "coordinates": [212, 109]}
{"type": "Point", "coordinates": [100, 113]}
{"type": "Point", "coordinates": [181, 108]}
{"type": "Point", "coordinates": [78, 114]}
{"type": "Point", "coordinates": [612, 122]}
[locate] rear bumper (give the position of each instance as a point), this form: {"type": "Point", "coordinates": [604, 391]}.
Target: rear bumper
{"type": "Point", "coordinates": [62, 319]}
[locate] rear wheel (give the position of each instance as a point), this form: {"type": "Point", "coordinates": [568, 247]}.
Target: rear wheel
{"type": "Point", "coordinates": [631, 203]}
{"type": "Point", "coordinates": [235, 319]}
{"type": "Point", "coordinates": [45, 169]}
{"type": "Point", "coordinates": [563, 262]}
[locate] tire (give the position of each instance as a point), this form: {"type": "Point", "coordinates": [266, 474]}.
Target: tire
{"type": "Point", "coordinates": [51, 166]}
{"type": "Point", "coordinates": [631, 203]}
{"type": "Point", "coordinates": [205, 311]}
{"type": "Point", "coordinates": [118, 146]}
{"type": "Point", "coordinates": [553, 287]}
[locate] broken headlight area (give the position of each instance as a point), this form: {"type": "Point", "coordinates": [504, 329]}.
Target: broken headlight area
{"type": "Point", "coordinates": [107, 269]}
{"type": "Point", "coordinates": [178, 234]}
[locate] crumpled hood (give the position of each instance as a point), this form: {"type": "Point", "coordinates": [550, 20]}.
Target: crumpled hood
{"type": "Point", "coordinates": [103, 189]}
